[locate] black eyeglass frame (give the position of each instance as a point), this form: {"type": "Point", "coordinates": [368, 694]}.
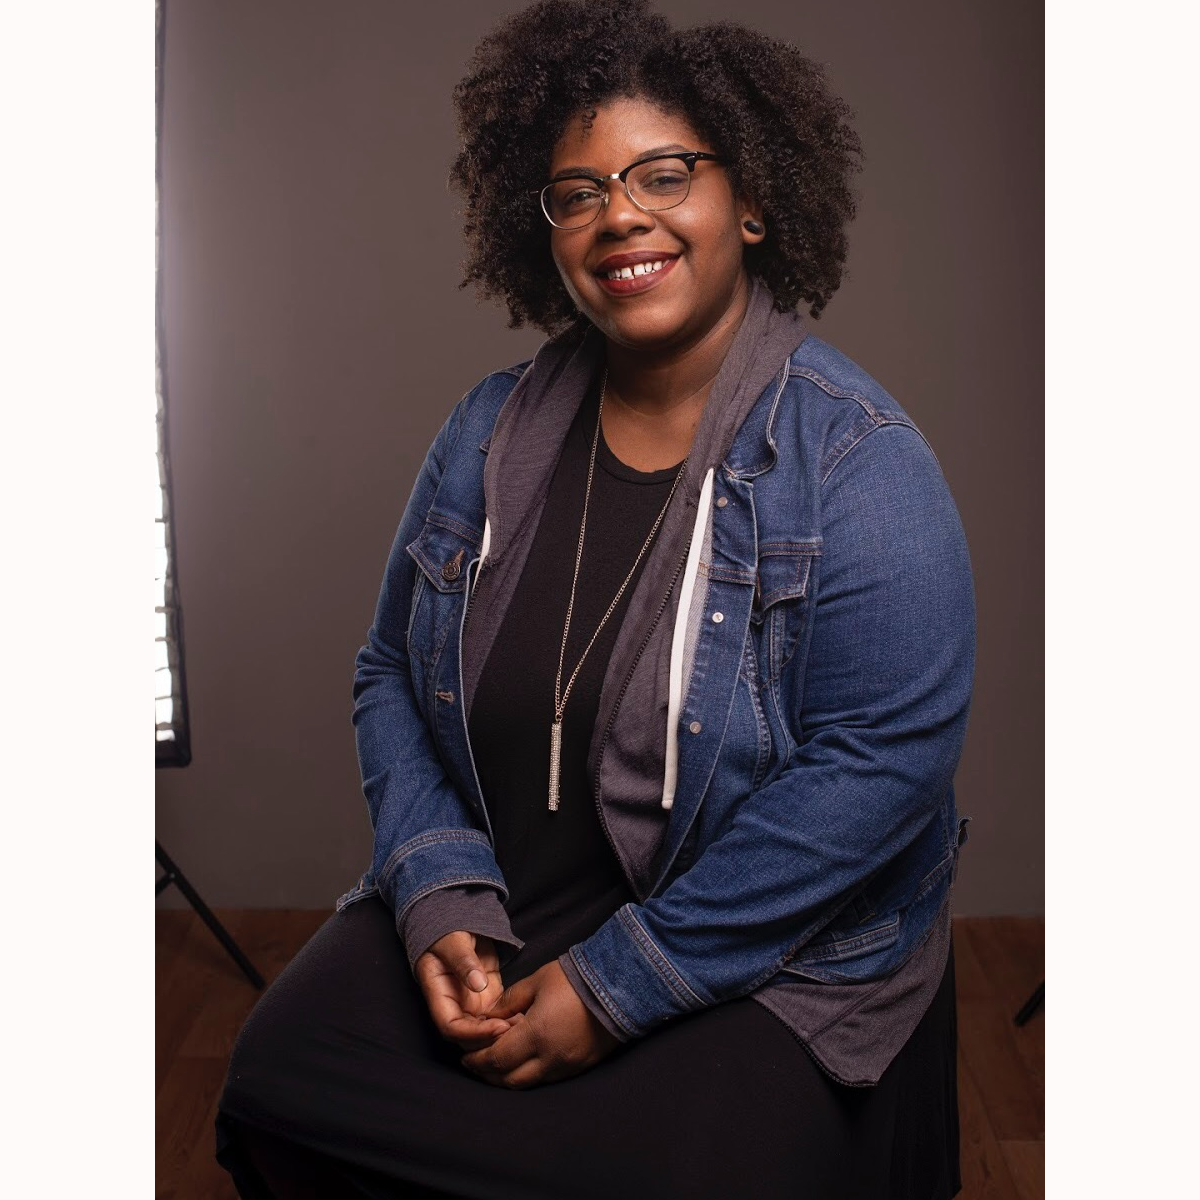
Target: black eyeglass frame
{"type": "Point", "coordinates": [688, 157]}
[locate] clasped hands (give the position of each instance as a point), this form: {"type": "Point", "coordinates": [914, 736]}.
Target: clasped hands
{"type": "Point", "coordinates": [536, 1031]}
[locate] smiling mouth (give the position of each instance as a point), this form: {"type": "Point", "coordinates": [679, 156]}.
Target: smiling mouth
{"type": "Point", "coordinates": [628, 281]}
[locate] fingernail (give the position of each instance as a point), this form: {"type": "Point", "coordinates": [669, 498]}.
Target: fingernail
{"type": "Point", "coordinates": [477, 981]}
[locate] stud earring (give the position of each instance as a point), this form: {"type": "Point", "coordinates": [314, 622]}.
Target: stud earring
{"type": "Point", "coordinates": [754, 226]}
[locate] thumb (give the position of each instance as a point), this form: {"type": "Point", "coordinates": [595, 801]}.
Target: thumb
{"type": "Point", "coordinates": [457, 951]}
{"type": "Point", "coordinates": [470, 970]}
{"type": "Point", "coordinates": [514, 999]}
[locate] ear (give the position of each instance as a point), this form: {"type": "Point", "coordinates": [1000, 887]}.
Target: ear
{"type": "Point", "coordinates": [750, 210]}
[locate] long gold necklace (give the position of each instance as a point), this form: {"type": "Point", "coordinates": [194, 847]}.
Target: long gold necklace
{"type": "Point", "coordinates": [560, 704]}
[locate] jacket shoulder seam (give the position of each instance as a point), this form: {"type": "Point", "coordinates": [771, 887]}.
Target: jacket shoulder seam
{"type": "Point", "coordinates": [832, 389]}
{"type": "Point", "coordinates": [458, 417]}
{"type": "Point", "coordinates": [514, 372]}
{"type": "Point", "coordinates": [857, 435]}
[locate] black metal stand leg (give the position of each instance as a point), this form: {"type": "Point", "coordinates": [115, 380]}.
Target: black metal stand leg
{"type": "Point", "coordinates": [1032, 1004]}
{"type": "Point", "coordinates": [175, 876]}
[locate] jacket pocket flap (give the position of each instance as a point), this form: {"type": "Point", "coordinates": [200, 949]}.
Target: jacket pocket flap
{"type": "Point", "coordinates": [841, 944]}
{"type": "Point", "coordinates": [443, 552]}
{"type": "Point", "coordinates": [783, 571]}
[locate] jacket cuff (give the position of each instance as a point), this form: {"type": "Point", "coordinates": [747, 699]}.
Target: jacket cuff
{"type": "Point", "coordinates": [631, 977]}
{"type": "Point", "coordinates": [589, 997]}
{"type": "Point", "coordinates": [473, 907]}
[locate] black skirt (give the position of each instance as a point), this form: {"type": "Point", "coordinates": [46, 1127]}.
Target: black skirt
{"type": "Point", "coordinates": [341, 1066]}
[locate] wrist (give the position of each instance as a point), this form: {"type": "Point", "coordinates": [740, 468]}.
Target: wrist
{"type": "Point", "coordinates": [589, 1000]}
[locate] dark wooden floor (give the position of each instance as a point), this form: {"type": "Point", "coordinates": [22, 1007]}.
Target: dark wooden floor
{"type": "Point", "coordinates": [202, 1000]}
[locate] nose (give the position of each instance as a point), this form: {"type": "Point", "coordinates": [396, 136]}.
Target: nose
{"type": "Point", "coordinates": [619, 215]}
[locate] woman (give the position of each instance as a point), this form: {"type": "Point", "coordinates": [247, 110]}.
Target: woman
{"type": "Point", "coordinates": [666, 687]}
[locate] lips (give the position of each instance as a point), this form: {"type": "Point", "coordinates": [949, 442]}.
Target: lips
{"type": "Point", "coordinates": [638, 283]}
{"type": "Point", "coordinates": [631, 257]}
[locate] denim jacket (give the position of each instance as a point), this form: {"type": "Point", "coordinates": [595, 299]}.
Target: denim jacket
{"type": "Point", "coordinates": [821, 673]}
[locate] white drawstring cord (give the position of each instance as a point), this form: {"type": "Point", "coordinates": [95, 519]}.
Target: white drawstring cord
{"type": "Point", "coordinates": [679, 637]}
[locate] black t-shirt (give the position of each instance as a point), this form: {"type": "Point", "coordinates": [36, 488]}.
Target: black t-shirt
{"type": "Point", "coordinates": [564, 879]}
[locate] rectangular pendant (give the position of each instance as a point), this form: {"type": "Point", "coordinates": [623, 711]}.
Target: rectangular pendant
{"type": "Point", "coordinates": [555, 762]}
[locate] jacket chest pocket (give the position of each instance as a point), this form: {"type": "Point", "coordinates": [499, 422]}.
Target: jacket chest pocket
{"type": "Point", "coordinates": [442, 553]}
{"type": "Point", "coordinates": [781, 594]}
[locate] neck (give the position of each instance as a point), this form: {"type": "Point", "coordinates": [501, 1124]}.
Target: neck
{"type": "Point", "coordinates": [661, 383]}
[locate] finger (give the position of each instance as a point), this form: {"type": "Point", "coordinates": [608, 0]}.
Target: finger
{"type": "Point", "coordinates": [514, 999]}
{"type": "Point", "coordinates": [506, 1053]}
{"type": "Point", "coordinates": [455, 1024]}
{"type": "Point", "coordinates": [469, 1033]}
{"type": "Point", "coordinates": [528, 1074]}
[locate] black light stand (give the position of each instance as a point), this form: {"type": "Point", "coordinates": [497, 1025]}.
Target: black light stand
{"type": "Point", "coordinates": [172, 741]}
{"type": "Point", "coordinates": [176, 876]}
{"type": "Point", "coordinates": [1031, 1005]}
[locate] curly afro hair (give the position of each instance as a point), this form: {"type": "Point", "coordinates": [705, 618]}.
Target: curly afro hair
{"type": "Point", "coordinates": [764, 107]}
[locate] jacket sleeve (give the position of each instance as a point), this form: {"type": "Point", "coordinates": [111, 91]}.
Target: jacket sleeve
{"type": "Point", "coordinates": [426, 838]}
{"type": "Point", "coordinates": [888, 681]}
{"type": "Point", "coordinates": [476, 909]}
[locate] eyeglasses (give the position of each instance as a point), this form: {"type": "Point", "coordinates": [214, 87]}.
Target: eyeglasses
{"type": "Point", "coordinates": [653, 184]}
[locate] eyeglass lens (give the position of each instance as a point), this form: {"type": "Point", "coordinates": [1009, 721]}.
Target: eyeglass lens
{"type": "Point", "coordinates": [661, 183]}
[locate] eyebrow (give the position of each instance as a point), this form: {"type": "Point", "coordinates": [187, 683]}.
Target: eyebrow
{"type": "Point", "coordinates": [593, 171]}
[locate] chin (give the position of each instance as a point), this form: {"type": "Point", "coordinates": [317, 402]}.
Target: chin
{"type": "Point", "coordinates": [642, 327]}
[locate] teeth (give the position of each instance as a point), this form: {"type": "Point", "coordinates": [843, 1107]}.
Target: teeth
{"type": "Point", "coordinates": [635, 270]}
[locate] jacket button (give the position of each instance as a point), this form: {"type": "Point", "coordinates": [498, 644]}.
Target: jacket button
{"type": "Point", "coordinates": [718, 617]}
{"type": "Point", "coordinates": [722, 501]}
{"type": "Point", "coordinates": [695, 727]}
{"type": "Point", "coordinates": [451, 569]}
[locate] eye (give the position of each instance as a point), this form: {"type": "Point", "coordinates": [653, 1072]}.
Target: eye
{"type": "Point", "coordinates": [574, 197]}
{"type": "Point", "coordinates": [664, 180]}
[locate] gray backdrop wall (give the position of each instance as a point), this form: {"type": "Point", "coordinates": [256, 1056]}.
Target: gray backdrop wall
{"type": "Point", "coordinates": [310, 262]}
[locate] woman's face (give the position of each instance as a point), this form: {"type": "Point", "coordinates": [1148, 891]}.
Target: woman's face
{"type": "Point", "coordinates": [699, 241]}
